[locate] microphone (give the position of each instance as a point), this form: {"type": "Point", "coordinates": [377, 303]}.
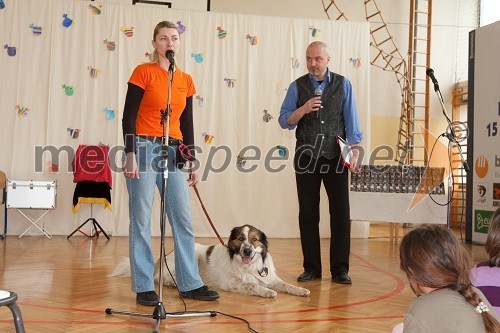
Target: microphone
{"type": "Point", "coordinates": [318, 92]}
{"type": "Point", "coordinates": [170, 56]}
{"type": "Point", "coordinates": [430, 73]}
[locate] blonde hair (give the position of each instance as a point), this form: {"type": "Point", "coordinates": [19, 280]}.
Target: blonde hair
{"type": "Point", "coordinates": [162, 24]}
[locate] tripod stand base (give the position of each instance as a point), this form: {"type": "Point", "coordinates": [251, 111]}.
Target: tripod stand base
{"type": "Point", "coordinates": [159, 314]}
{"type": "Point", "coordinates": [95, 225]}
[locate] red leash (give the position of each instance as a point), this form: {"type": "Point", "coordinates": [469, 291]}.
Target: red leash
{"type": "Point", "coordinates": [186, 154]}
{"type": "Point", "coordinates": [206, 214]}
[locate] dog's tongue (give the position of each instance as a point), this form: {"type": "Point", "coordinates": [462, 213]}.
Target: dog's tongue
{"type": "Point", "coordinates": [247, 260]}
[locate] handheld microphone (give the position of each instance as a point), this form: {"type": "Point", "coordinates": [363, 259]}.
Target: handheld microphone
{"type": "Point", "coordinates": [170, 56]}
{"type": "Point", "coordinates": [430, 73]}
{"type": "Point", "coordinates": [318, 92]}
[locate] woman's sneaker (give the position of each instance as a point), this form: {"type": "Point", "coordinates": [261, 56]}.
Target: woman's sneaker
{"type": "Point", "coordinates": [202, 294]}
{"type": "Point", "coordinates": [148, 298]}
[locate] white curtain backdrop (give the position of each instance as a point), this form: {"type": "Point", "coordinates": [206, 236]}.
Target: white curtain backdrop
{"type": "Point", "coordinates": [236, 77]}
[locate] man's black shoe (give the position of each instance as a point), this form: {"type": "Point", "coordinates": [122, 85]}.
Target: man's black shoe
{"type": "Point", "coordinates": [202, 294]}
{"type": "Point", "coordinates": [148, 298]}
{"type": "Point", "coordinates": [342, 278]}
{"type": "Point", "coordinates": [308, 276]}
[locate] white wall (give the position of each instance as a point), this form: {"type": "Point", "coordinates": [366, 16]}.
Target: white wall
{"type": "Point", "coordinates": [385, 93]}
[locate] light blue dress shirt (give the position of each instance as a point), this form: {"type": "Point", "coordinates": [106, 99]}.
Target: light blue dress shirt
{"type": "Point", "coordinates": [349, 108]}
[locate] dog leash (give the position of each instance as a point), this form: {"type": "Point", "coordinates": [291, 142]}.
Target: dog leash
{"type": "Point", "coordinates": [261, 274]}
{"type": "Point", "coordinates": [186, 154]}
{"type": "Point", "coordinates": [206, 214]}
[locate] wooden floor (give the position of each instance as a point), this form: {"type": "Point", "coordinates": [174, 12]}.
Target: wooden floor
{"type": "Point", "coordinates": [63, 287]}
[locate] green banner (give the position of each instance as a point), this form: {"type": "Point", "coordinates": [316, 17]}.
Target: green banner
{"type": "Point", "coordinates": [482, 220]}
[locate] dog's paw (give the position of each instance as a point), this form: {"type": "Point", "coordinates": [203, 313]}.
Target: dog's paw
{"type": "Point", "coordinates": [304, 292]}
{"type": "Point", "coordinates": [270, 293]}
{"type": "Point", "coordinates": [298, 291]}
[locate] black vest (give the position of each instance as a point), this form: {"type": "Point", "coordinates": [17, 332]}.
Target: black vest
{"type": "Point", "coordinates": [317, 136]}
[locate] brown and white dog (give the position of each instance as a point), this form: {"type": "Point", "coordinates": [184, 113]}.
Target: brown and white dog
{"type": "Point", "coordinates": [244, 266]}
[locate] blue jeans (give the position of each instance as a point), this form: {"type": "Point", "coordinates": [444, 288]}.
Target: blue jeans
{"type": "Point", "coordinates": [141, 195]}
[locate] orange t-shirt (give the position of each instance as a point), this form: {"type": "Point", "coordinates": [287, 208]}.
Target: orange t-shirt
{"type": "Point", "coordinates": [154, 80]}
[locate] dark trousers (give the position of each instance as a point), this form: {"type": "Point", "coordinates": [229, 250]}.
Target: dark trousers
{"type": "Point", "coordinates": [309, 174]}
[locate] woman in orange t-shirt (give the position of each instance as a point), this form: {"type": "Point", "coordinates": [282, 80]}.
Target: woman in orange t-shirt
{"type": "Point", "coordinates": [147, 95]}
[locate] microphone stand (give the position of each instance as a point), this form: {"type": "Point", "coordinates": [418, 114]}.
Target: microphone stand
{"type": "Point", "coordinates": [159, 312]}
{"type": "Point", "coordinates": [452, 138]}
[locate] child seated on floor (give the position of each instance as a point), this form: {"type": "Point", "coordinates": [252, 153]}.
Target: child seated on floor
{"type": "Point", "coordinates": [437, 267]}
{"type": "Point", "coordinates": [486, 275]}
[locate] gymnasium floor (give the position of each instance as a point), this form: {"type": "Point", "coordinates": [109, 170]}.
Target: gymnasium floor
{"type": "Point", "coordinates": [63, 287]}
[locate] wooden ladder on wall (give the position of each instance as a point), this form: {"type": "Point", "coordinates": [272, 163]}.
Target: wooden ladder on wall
{"type": "Point", "coordinates": [411, 141]}
{"type": "Point", "coordinates": [459, 116]}
{"type": "Point", "coordinates": [385, 54]}
{"type": "Point", "coordinates": [410, 73]}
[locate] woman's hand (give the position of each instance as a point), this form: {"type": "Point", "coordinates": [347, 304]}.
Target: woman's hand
{"type": "Point", "coordinates": [193, 178]}
{"type": "Point", "coordinates": [130, 169]}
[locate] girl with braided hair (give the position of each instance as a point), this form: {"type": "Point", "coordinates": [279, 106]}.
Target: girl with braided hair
{"type": "Point", "coordinates": [437, 267]}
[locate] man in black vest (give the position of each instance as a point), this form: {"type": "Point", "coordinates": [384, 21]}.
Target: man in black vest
{"type": "Point", "coordinates": [321, 106]}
